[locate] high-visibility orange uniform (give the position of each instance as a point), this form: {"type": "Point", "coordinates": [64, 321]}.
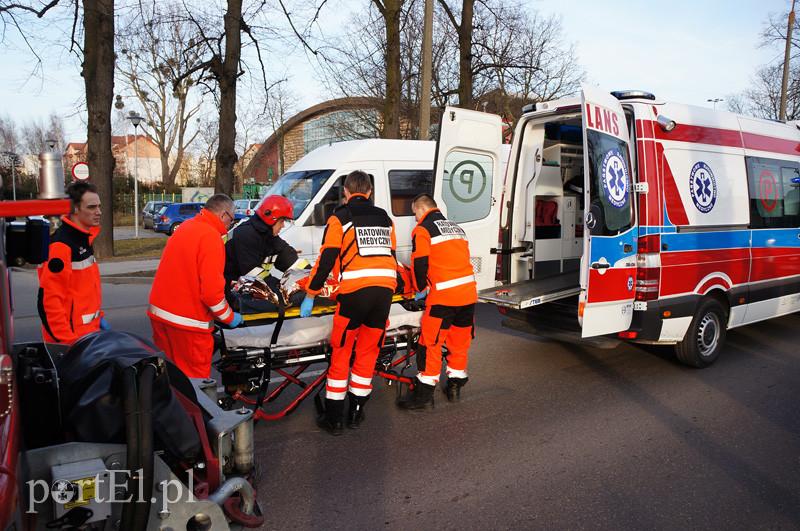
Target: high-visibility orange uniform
{"type": "Point", "coordinates": [69, 285]}
{"type": "Point", "coordinates": [440, 262]}
{"type": "Point", "coordinates": [359, 243]}
{"type": "Point", "coordinates": [188, 294]}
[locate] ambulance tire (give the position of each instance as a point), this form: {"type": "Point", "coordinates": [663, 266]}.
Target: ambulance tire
{"type": "Point", "coordinates": [706, 335]}
{"type": "Point", "coordinates": [173, 228]}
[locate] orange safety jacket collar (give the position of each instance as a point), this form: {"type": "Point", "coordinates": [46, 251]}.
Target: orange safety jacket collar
{"type": "Point", "coordinates": [212, 219]}
{"type": "Point", "coordinates": [92, 232]}
{"type": "Point", "coordinates": [429, 212]}
{"type": "Point", "coordinates": [353, 196]}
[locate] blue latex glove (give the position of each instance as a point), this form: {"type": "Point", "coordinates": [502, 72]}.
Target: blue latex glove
{"type": "Point", "coordinates": [237, 320]}
{"type": "Point", "coordinates": [104, 324]}
{"type": "Point", "coordinates": [420, 295]}
{"type": "Point", "coordinates": [306, 307]}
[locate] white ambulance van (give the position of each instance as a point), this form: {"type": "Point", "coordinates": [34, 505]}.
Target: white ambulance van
{"type": "Point", "coordinates": [621, 214]}
{"type": "Point", "coordinates": [400, 170]}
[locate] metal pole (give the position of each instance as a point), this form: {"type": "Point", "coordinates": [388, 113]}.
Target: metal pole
{"type": "Point", "coordinates": [785, 80]}
{"type": "Point", "coordinates": [14, 177]}
{"type": "Point", "coordinates": [425, 88]}
{"type": "Point", "coordinates": [136, 181]}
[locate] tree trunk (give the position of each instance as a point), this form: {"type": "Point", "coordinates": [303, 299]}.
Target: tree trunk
{"type": "Point", "coordinates": [98, 77]}
{"type": "Point", "coordinates": [228, 75]}
{"type": "Point", "coordinates": [465, 55]}
{"type": "Point", "coordinates": [391, 106]}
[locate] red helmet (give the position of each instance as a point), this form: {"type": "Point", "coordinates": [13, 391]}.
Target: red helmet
{"type": "Point", "coordinates": [274, 208]}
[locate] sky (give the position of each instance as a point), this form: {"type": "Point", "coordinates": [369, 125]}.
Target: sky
{"type": "Point", "coordinates": [680, 50]}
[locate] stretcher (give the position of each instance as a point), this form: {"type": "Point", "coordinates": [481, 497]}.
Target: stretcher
{"type": "Point", "coordinates": [285, 345]}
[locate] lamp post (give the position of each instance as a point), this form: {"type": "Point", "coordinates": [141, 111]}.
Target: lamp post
{"type": "Point", "coordinates": [715, 101]}
{"type": "Point", "coordinates": [135, 120]}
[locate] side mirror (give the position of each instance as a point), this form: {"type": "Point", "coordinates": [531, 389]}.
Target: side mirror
{"type": "Point", "coordinates": [322, 211]}
{"type": "Point", "coordinates": [27, 241]}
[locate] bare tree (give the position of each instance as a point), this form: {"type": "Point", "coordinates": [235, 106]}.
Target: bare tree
{"type": "Point", "coordinates": [98, 75]}
{"type": "Point", "coordinates": [463, 25]}
{"type": "Point", "coordinates": [153, 56]}
{"type": "Point", "coordinates": [36, 133]}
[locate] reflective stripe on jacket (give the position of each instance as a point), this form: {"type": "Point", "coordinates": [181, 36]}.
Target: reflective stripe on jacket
{"type": "Point", "coordinates": [70, 296]}
{"type": "Point", "coordinates": [440, 261]}
{"type": "Point", "coordinates": [358, 245]}
{"type": "Point", "coordinates": [189, 287]}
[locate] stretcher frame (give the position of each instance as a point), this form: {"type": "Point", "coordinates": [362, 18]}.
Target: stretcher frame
{"type": "Point", "coordinates": [291, 361]}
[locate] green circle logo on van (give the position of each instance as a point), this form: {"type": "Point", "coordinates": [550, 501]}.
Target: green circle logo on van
{"type": "Point", "coordinates": [467, 181]}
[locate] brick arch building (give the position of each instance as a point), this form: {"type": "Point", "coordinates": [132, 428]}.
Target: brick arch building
{"type": "Point", "coordinates": [330, 121]}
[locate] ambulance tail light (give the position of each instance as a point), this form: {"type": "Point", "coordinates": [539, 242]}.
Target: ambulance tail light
{"type": "Point", "coordinates": [648, 267]}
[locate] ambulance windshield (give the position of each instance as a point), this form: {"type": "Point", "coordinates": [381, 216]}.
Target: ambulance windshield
{"type": "Point", "coordinates": [300, 187]}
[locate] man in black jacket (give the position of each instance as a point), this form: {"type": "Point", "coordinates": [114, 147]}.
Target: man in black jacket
{"type": "Point", "coordinates": [256, 241]}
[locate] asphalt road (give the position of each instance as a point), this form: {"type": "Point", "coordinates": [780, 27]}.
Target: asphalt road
{"type": "Point", "coordinates": [548, 435]}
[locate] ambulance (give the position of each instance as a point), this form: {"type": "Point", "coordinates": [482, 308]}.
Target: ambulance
{"type": "Point", "coordinates": [627, 216]}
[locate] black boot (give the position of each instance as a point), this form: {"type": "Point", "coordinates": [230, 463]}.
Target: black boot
{"type": "Point", "coordinates": [355, 413]}
{"type": "Point", "coordinates": [453, 388]}
{"type": "Point", "coordinates": [420, 398]}
{"type": "Point", "coordinates": [331, 419]}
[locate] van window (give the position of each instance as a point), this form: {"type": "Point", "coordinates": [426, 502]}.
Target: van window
{"type": "Point", "coordinates": [773, 186]}
{"type": "Point", "coordinates": [335, 196]}
{"type": "Point", "coordinates": [405, 185]}
{"type": "Point", "coordinates": [610, 211]}
{"type": "Point", "coordinates": [467, 186]}
{"type": "Point", "coordinates": [300, 187]}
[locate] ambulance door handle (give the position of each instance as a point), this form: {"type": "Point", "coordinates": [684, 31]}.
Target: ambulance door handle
{"type": "Point", "coordinates": [627, 248]}
{"type": "Point", "coordinates": [600, 265]}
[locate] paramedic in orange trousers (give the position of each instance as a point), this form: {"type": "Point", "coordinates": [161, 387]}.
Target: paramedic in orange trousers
{"type": "Point", "coordinates": [188, 292]}
{"type": "Point", "coordinates": [440, 263]}
{"type": "Point", "coordinates": [359, 243]}
{"type": "Point", "coordinates": [69, 282]}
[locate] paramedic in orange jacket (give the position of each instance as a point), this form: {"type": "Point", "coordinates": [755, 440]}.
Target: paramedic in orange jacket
{"type": "Point", "coordinates": [440, 263]}
{"type": "Point", "coordinates": [359, 241]}
{"type": "Point", "coordinates": [188, 292]}
{"type": "Point", "coordinates": [69, 282]}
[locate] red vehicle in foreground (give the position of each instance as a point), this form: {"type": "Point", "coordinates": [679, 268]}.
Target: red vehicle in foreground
{"type": "Point", "coordinates": [105, 434]}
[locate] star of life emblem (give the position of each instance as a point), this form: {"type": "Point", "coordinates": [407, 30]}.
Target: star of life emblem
{"type": "Point", "coordinates": [703, 187]}
{"type": "Point", "coordinates": [615, 178]}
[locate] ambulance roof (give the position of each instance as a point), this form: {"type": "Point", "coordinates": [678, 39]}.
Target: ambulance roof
{"type": "Point", "coordinates": [335, 155]}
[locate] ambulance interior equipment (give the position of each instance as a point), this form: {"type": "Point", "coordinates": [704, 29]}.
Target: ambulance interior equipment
{"type": "Point", "coordinates": [550, 221]}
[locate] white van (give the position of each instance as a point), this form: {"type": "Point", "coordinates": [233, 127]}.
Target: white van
{"type": "Point", "coordinates": [400, 169]}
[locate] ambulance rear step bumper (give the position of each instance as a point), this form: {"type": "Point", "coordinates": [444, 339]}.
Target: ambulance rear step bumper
{"type": "Point", "coordinates": [528, 293]}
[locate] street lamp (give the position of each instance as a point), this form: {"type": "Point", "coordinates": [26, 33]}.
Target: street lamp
{"type": "Point", "coordinates": [715, 101]}
{"type": "Point", "coordinates": [135, 120]}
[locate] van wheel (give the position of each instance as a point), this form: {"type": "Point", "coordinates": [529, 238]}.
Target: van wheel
{"type": "Point", "coordinates": [173, 228]}
{"type": "Point", "coordinates": [705, 336]}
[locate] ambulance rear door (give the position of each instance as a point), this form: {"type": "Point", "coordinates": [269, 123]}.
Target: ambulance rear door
{"type": "Point", "coordinates": [467, 182]}
{"type": "Point", "coordinates": [608, 264]}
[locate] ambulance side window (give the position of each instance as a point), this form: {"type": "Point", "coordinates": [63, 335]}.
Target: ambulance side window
{"type": "Point", "coordinates": [610, 188]}
{"type": "Point", "coordinates": [467, 186]}
{"type": "Point", "coordinates": [773, 185]}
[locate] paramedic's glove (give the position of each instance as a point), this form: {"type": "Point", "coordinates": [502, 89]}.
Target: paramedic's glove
{"type": "Point", "coordinates": [306, 307]}
{"type": "Point", "coordinates": [420, 295]}
{"type": "Point", "coordinates": [104, 324]}
{"type": "Point", "coordinates": [236, 321]}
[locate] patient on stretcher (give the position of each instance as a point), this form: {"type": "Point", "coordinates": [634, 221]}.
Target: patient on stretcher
{"type": "Point", "coordinates": [264, 293]}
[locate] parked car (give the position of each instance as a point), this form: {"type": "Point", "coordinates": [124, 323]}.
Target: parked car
{"type": "Point", "coordinates": [245, 208]}
{"type": "Point", "coordinates": [149, 212]}
{"type": "Point", "coordinates": [171, 216]}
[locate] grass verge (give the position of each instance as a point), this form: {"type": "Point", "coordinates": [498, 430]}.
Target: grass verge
{"type": "Point", "coordinates": [141, 248]}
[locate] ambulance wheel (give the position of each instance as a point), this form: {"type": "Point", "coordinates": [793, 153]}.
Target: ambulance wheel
{"type": "Point", "coordinates": [706, 335]}
{"type": "Point", "coordinates": [173, 228]}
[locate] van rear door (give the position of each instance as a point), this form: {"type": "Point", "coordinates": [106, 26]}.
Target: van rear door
{"type": "Point", "coordinates": [467, 182]}
{"type": "Point", "coordinates": [608, 265]}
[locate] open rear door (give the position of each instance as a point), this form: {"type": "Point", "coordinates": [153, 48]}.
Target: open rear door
{"type": "Point", "coordinates": [467, 182]}
{"type": "Point", "coordinates": [608, 265]}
